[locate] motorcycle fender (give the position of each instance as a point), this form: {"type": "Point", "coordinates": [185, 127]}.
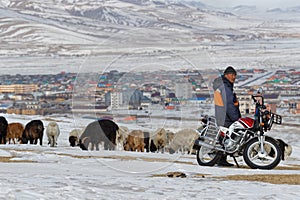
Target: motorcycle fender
{"type": "Point", "coordinates": [259, 138]}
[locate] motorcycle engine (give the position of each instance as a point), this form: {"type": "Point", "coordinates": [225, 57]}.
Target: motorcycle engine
{"type": "Point", "coordinates": [233, 136]}
{"type": "Point", "coordinates": [231, 142]}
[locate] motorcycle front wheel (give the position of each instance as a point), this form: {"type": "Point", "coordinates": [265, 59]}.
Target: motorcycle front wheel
{"type": "Point", "coordinates": [207, 157]}
{"type": "Point", "coordinates": [267, 158]}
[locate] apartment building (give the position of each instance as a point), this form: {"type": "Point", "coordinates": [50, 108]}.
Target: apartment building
{"type": "Point", "coordinates": [183, 90]}
{"type": "Point", "coordinates": [116, 100]}
{"type": "Point", "coordinates": [247, 105]}
{"type": "Point", "coordinates": [18, 88]}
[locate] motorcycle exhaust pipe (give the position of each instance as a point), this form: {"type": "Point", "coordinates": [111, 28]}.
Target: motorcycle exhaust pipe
{"type": "Point", "coordinates": [209, 146]}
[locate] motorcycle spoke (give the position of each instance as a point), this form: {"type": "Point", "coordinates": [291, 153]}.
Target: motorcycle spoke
{"type": "Point", "coordinates": [255, 157]}
{"type": "Point", "coordinates": [269, 158]}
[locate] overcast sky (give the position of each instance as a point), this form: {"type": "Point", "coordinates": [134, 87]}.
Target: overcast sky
{"type": "Point", "coordinates": [259, 3]}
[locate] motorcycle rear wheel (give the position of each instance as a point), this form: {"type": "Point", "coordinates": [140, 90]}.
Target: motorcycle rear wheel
{"type": "Point", "coordinates": [268, 159]}
{"type": "Point", "coordinates": [207, 157]}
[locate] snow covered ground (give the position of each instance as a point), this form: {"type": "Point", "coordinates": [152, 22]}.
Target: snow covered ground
{"type": "Point", "coordinates": [63, 172]}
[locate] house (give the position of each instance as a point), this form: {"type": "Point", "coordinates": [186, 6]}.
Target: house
{"type": "Point", "coordinates": [295, 107]}
{"type": "Point", "coordinates": [201, 98]}
{"type": "Point", "coordinates": [23, 96]}
{"type": "Point", "coordinates": [18, 88]}
{"type": "Point", "coordinates": [246, 104]}
{"type": "Point", "coordinates": [4, 105]}
{"type": "Point", "coordinates": [273, 107]}
{"type": "Point", "coordinates": [271, 98]}
{"type": "Point", "coordinates": [20, 111]}
{"type": "Point", "coordinates": [284, 104]}
{"type": "Point", "coordinates": [145, 102]}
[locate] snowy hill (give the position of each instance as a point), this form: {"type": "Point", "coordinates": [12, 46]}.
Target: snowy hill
{"type": "Point", "coordinates": [33, 30]}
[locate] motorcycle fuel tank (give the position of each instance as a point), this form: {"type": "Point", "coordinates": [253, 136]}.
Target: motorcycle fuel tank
{"type": "Point", "coordinates": [247, 122]}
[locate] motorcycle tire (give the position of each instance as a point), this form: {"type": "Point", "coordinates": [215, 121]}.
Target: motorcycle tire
{"type": "Point", "coordinates": [207, 157]}
{"type": "Point", "coordinates": [255, 159]}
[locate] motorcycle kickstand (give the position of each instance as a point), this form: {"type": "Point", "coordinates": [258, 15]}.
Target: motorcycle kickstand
{"type": "Point", "coordinates": [235, 162]}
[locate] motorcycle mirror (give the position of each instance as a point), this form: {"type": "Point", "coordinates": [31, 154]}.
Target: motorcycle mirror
{"type": "Point", "coordinates": [259, 91]}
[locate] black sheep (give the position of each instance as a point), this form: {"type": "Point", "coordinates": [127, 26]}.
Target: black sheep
{"type": "Point", "coordinates": [33, 131]}
{"type": "Point", "coordinates": [3, 129]}
{"type": "Point", "coordinates": [147, 141]}
{"type": "Point", "coordinates": [103, 130]}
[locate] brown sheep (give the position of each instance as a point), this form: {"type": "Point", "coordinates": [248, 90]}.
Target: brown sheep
{"type": "Point", "coordinates": [14, 132]}
{"type": "Point", "coordinates": [135, 141]}
{"type": "Point", "coordinates": [160, 139]}
{"type": "Point", "coordinates": [122, 136]}
{"type": "Point", "coordinates": [285, 148]}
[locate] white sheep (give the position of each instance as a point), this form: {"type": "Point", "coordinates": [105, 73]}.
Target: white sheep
{"type": "Point", "coordinates": [170, 136]}
{"type": "Point", "coordinates": [52, 132]}
{"type": "Point", "coordinates": [183, 141]}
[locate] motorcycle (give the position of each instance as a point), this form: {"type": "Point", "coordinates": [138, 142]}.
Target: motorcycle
{"type": "Point", "coordinates": [245, 137]}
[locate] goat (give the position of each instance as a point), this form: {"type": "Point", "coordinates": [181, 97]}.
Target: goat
{"type": "Point", "coordinates": [52, 132]}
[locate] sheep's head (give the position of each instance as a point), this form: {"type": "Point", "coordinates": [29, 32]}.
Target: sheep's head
{"type": "Point", "coordinates": [73, 140]}
{"type": "Point", "coordinates": [84, 143]}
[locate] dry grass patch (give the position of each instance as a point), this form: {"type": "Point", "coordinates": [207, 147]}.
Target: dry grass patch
{"type": "Point", "coordinates": [171, 175]}
{"type": "Point", "coordinates": [5, 159]}
{"type": "Point", "coordinates": [291, 179]}
{"type": "Point", "coordinates": [287, 167]}
{"type": "Point", "coordinates": [9, 160]}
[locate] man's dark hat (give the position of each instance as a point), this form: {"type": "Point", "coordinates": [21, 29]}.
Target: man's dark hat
{"type": "Point", "coordinates": [230, 70]}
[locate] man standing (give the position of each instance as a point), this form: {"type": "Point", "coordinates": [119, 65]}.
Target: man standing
{"type": "Point", "coordinates": [226, 103]}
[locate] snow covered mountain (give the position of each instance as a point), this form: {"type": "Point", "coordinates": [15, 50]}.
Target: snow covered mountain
{"type": "Point", "coordinates": [78, 27]}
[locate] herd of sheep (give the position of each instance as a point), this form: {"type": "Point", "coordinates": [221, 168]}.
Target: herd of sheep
{"type": "Point", "coordinates": [160, 140]}
{"type": "Point", "coordinates": [32, 132]}
{"type": "Point", "coordinates": [116, 137]}
{"type": "Point", "coordinates": [107, 134]}
{"type": "Point", "coordinates": [104, 133]}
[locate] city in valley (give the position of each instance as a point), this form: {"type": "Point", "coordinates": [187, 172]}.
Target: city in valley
{"type": "Point", "coordinates": [136, 94]}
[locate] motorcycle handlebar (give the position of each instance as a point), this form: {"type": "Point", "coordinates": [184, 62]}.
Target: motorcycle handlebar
{"type": "Point", "coordinates": [256, 101]}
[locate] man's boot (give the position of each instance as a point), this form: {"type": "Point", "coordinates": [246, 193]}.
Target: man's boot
{"type": "Point", "coordinates": [223, 162]}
